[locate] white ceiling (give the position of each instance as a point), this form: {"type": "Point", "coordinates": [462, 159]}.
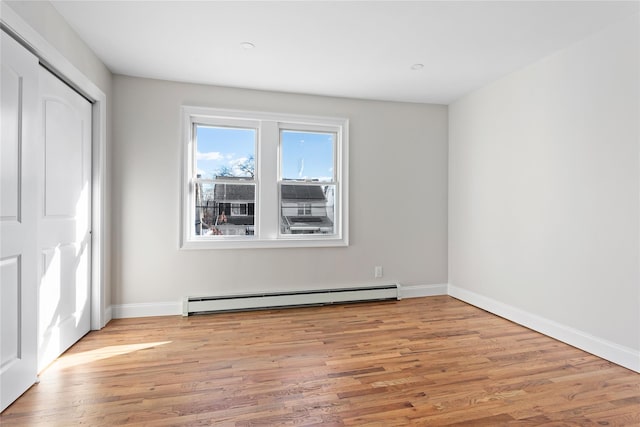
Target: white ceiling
{"type": "Point", "coordinates": [359, 49]}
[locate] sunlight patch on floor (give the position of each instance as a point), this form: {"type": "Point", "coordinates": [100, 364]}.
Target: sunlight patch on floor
{"type": "Point", "coordinates": [75, 359]}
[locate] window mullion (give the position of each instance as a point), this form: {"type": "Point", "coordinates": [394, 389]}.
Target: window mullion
{"type": "Point", "coordinates": [268, 177]}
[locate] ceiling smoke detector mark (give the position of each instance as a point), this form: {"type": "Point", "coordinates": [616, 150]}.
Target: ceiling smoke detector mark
{"type": "Point", "coordinates": [416, 67]}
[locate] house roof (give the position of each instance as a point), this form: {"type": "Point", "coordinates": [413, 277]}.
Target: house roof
{"type": "Point", "coordinates": [297, 192]}
{"type": "Point", "coordinates": [225, 192]}
{"type": "Point", "coordinates": [234, 193]}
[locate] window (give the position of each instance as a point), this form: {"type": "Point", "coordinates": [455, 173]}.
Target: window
{"type": "Point", "coordinates": [224, 179]}
{"type": "Point", "coordinates": [307, 182]}
{"type": "Point", "coordinates": [263, 180]}
{"type": "Point", "coordinates": [304, 209]}
{"type": "Point", "coordinates": [239, 208]}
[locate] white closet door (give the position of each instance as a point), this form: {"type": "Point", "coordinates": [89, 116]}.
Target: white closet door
{"type": "Point", "coordinates": [18, 237]}
{"type": "Point", "coordinates": [64, 234]}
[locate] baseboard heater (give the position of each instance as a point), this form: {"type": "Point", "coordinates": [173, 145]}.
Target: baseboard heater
{"type": "Point", "coordinates": [241, 302]}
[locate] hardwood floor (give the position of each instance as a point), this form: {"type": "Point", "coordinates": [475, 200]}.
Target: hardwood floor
{"type": "Point", "coordinates": [427, 361]}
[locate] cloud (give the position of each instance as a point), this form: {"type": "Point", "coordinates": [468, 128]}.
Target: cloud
{"type": "Point", "coordinates": [238, 161]}
{"type": "Point", "coordinates": [235, 166]}
{"type": "Point", "coordinates": [212, 155]}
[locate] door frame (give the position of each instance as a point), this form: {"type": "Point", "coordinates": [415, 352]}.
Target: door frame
{"type": "Point", "coordinates": [49, 56]}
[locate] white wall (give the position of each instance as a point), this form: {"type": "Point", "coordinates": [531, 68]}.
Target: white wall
{"type": "Point", "coordinates": [544, 194]}
{"type": "Point", "coordinates": [398, 158]}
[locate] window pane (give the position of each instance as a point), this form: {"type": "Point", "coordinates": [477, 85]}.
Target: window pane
{"type": "Point", "coordinates": [307, 155]}
{"type": "Point", "coordinates": [307, 209]}
{"type": "Point", "coordinates": [304, 209]}
{"type": "Point", "coordinates": [225, 152]}
{"type": "Point", "coordinates": [224, 209]}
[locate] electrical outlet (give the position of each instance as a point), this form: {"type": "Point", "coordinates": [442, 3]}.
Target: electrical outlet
{"type": "Point", "coordinates": [377, 271]}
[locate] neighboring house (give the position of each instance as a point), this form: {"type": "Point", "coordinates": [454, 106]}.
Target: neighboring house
{"type": "Point", "coordinates": [304, 209]}
{"type": "Point", "coordinates": [228, 209]}
{"type": "Point", "coordinates": [234, 208]}
{"type": "Point", "coordinates": [225, 208]}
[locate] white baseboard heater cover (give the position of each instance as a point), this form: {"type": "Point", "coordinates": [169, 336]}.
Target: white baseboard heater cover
{"type": "Point", "coordinates": [213, 304]}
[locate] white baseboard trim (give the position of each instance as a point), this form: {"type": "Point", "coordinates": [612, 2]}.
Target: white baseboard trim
{"type": "Point", "coordinates": [124, 311]}
{"type": "Point", "coordinates": [416, 291]}
{"type": "Point", "coordinates": [621, 355]}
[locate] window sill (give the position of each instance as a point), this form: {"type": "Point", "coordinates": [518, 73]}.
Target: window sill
{"type": "Point", "coordinates": [255, 243]}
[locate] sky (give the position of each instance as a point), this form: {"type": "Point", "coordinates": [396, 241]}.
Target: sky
{"type": "Point", "coordinates": [305, 155]}
{"type": "Point", "coordinates": [219, 148]}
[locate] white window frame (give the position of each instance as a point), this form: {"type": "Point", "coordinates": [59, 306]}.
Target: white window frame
{"type": "Point", "coordinates": [267, 178]}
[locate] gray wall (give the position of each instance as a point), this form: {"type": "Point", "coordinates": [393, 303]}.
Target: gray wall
{"type": "Point", "coordinates": [398, 197]}
{"type": "Point", "coordinates": [544, 189]}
